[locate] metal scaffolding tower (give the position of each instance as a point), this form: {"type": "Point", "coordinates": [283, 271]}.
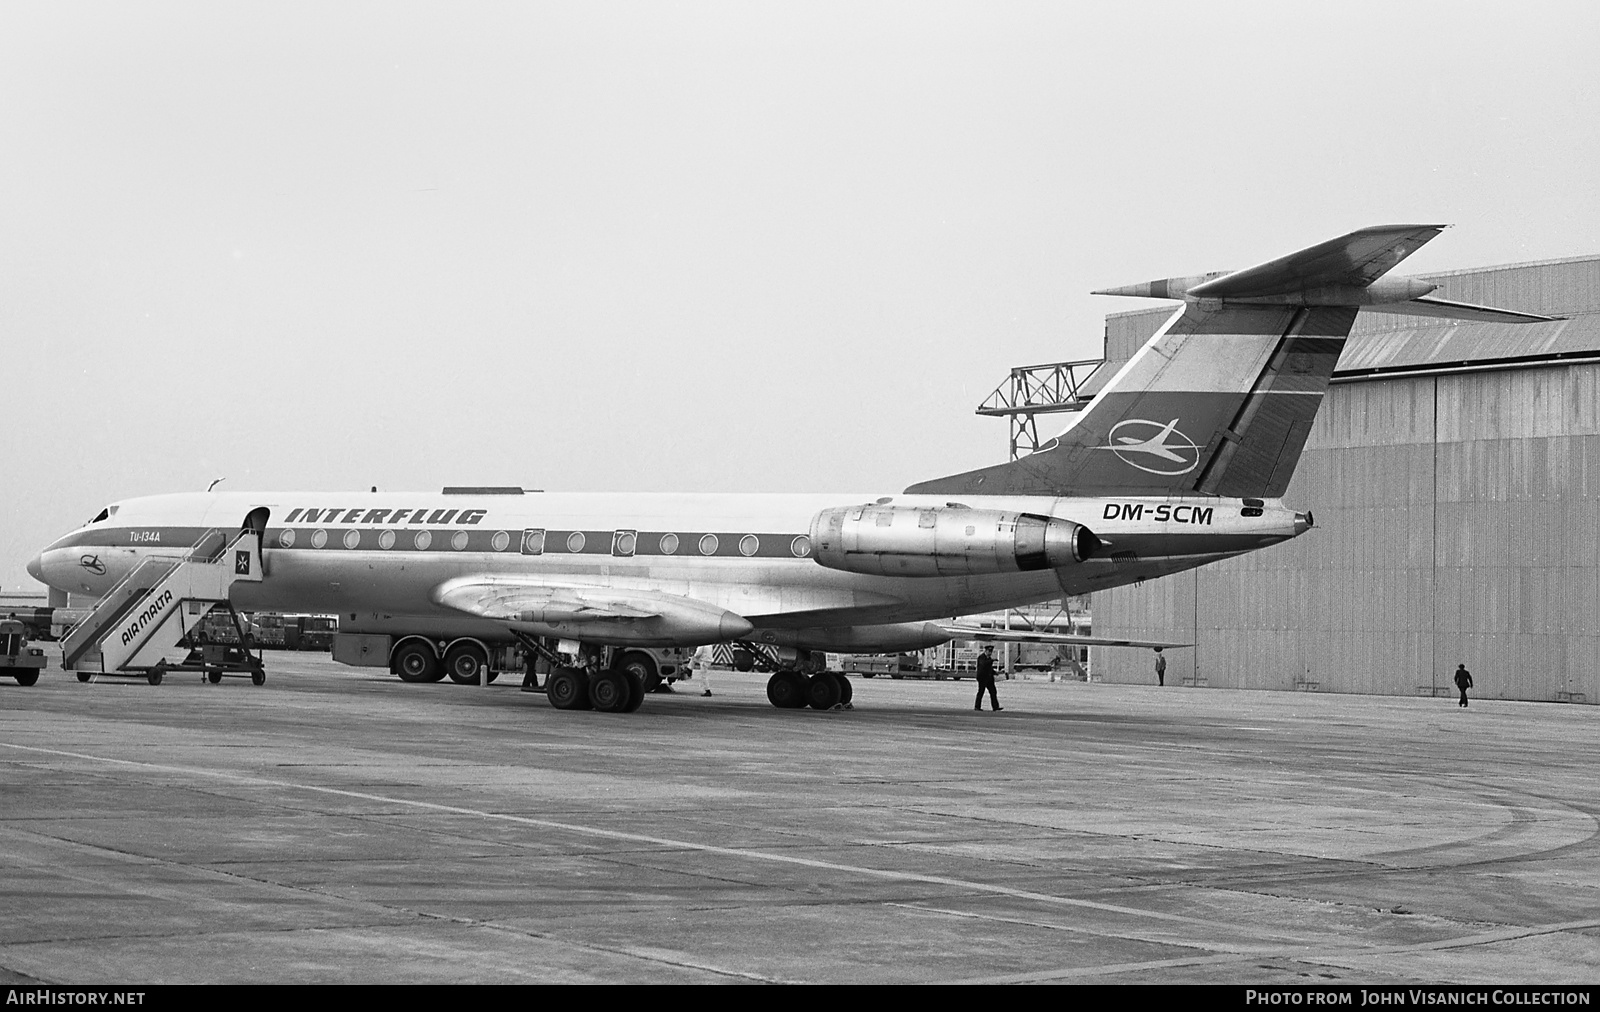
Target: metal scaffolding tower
{"type": "Point", "coordinates": [1034, 390]}
{"type": "Point", "coordinates": [1030, 391]}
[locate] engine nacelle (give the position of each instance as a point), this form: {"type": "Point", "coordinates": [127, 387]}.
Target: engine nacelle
{"type": "Point", "coordinates": [945, 541]}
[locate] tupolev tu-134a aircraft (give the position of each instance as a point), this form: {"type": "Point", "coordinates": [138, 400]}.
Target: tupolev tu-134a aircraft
{"type": "Point", "coordinates": [1180, 460]}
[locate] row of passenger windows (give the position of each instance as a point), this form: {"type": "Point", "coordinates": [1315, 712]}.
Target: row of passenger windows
{"type": "Point", "coordinates": [537, 542]}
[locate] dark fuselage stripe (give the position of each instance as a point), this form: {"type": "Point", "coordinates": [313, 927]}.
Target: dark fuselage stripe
{"type": "Point", "coordinates": [615, 543]}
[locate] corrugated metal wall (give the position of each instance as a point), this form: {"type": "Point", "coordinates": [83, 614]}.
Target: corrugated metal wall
{"type": "Point", "coordinates": [1458, 521]}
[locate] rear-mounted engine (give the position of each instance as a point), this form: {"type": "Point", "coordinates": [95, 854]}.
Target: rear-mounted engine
{"type": "Point", "coordinates": [945, 541]}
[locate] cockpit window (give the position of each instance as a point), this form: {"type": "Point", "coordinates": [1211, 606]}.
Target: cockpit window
{"type": "Point", "coordinates": [104, 514]}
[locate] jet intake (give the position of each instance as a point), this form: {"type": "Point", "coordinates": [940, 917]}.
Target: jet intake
{"type": "Point", "coordinates": [945, 541]}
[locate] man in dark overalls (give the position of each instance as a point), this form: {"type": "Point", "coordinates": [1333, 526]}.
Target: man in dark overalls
{"type": "Point", "coordinates": [1463, 681]}
{"type": "Point", "coordinates": [986, 680]}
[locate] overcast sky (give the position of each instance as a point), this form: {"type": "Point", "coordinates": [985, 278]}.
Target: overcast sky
{"type": "Point", "coordinates": [655, 246]}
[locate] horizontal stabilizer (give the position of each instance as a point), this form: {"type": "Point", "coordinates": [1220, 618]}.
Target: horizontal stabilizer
{"type": "Point", "coordinates": [1460, 311]}
{"type": "Point", "coordinates": [1354, 260]}
{"type": "Point", "coordinates": [972, 632]}
{"type": "Point", "coordinates": [1337, 272]}
{"type": "Point", "coordinates": [1221, 400]}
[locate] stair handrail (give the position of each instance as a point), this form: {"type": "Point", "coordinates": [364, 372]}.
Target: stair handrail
{"type": "Point", "coordinates": [115, 590]}
{"type": "Point", "coordinates": [191, 555]}
{"type": "Point", "coordinates": [196, 551]}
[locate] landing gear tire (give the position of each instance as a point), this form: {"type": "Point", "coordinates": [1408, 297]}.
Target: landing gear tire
{"type": "Point", "coordinates": [258, 676]}
{"type": "Point", "coordinates": [415, 662]}
{"type": "Point", "coordinates": [84, 676]}
{"type": "Point", "coordinates": [26, 676]}
{"type": "Point", "coordinates": [213, 677]}
{"type": "Point", "coordinates": [610, 691]}
{"type": "Point", "coordinates": [636, 691]}
{"type": "Point", "coordinates": [567, 689]}
{"type": "Point", "coordinates": [743, 660]}
{"type": "Point", "coordinates": [845, 691]}
{"type": "Point", "coordinates": [823, 692]}
{"type": "Point", "coordinates": [465, 663]}
{"type": "Point", "coordinates": [642, 668]}
{"type": "Point", "coordinates": [492, 676]}
{"type": "Point", "coordinates": [787, 690]}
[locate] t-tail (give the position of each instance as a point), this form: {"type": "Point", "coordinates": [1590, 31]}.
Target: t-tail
{"type": "Point", "coordinates": [1221, 399]}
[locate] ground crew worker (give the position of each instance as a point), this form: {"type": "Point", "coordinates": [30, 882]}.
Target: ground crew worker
{"type": "Point", "coordinates": [1463, 682]}
{"type": "Point", "coordinates": [1161, 668]}
{"type": "Point", "coordinates": [986, 680]}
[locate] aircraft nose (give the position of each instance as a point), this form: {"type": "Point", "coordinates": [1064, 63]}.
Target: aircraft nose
{"type": "Point", "coordinates": [36, 567]}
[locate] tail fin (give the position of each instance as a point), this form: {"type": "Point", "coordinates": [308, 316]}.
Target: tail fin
{"type": "Point", "coordinates": [1221, 399]}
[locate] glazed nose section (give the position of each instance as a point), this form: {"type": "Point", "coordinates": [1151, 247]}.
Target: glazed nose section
{"type": "Point", "coordinates": [36, 567]}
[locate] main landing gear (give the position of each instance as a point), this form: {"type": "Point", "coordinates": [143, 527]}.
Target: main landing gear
{"type": "Point", "coordinates": [799, 679]}
{"type": "Point", "coordinates": [788, 689]}
{"type": "Point", "coordinates": [613, 681]}
{"type": "Point", "coordinates": [612, 690]}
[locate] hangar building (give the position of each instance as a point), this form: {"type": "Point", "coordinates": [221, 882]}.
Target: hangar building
{"type": "Point", "coordinates": [1454, 474]}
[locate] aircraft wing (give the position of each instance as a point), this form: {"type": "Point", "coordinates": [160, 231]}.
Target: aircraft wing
{"type": "Point", "coordinates": [972, 632]}
{"type": "Point", "coordinates": [573, 608]}
{"type": "Point", "coordinates": [1355, 259]}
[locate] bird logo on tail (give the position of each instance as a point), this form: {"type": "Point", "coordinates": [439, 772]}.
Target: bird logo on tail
{"type": "Point", "coordinates": [1165, 448]}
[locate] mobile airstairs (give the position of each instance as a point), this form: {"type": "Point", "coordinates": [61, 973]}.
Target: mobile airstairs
{"type": "Point", "coordinates": [149, 612]}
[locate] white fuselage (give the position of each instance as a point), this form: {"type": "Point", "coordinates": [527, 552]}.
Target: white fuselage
{"type": "Point", "coordinates": [377, 559]}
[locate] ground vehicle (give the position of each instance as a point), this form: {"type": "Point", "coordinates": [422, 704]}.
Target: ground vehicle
{"type": "Point", "coordinates": [657, 667]}
{"type": "Point", "coordinates": [871, 665]}
{"type": "Point", "coordinates": [418, 657]}
{"type": "Point", "coordinates": [293, 632]}
{"type": "Point", "coordinates": [216, 628]}
{"type": "Point", "coordinates": [17, 659]}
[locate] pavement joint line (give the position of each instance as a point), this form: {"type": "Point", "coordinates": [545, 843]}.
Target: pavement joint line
{"type": "Point", "coordinates": [1158, 837]}
{"type": "Point", "coordinates": [1108, 969]}
{"type": "Point", "coordinates": [1340, 958]}
{"type": "Point", "coordinates": [649, 957]}
{"type": "Point", "coordinates": [612, 834]}
{"type": "Point", "coordinates": [1481, 938]}
{"type": "Point", "coordinates": [398, 916]}
{"type": "Point", "coordinates": [1241, 953]}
